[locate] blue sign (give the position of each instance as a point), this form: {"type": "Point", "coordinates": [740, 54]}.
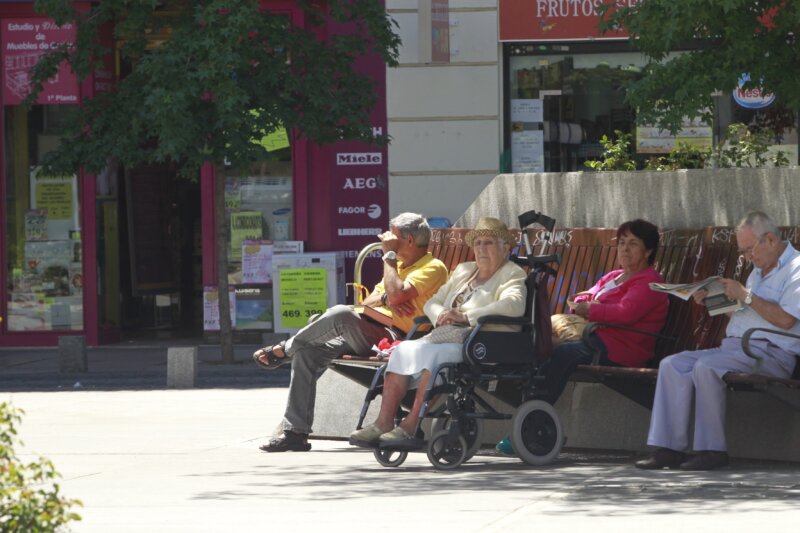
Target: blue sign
{"type": "Point", "coordinates": [753, 98]}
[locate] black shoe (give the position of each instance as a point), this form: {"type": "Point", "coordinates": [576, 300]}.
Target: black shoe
{"type": "Point", "coordinates": [288, 442]}
{"type": "Point", "coordinates": [707, 460]}
{"type": "Point", "coordinates": [266, 358]}
{"type": "Point", "coordinates": [662, 458]}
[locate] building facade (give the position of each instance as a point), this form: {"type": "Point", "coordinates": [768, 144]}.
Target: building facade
{"type": "Point", "coordinates": [530, 86]}
{"type": "Point", "coordinates": [483, 87]}
{"type": "Point", "coordinates": [132, 249]}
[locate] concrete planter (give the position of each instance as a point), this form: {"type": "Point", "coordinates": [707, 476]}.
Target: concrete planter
{"type": "Point", "coordinates": [680, 199]}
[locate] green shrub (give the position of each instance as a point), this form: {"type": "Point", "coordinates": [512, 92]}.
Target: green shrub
{"type": "Point", "coordinates": [29, 496]}
{"type": "Point", "coordinates": [682, 156]}
{"type": "Point", "coordinates": [741, 147]}
{"type": "Point", "coordinates": [745, 148]}
{"type": "Point", "coordinates": [617, 154]}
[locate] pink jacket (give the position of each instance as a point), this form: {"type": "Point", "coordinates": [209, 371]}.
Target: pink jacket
{"type": "Point", "coordinates": [631, 304]}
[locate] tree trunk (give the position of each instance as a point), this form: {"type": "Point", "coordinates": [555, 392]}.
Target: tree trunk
{"type": "Point", "coordinates": [225, 325]}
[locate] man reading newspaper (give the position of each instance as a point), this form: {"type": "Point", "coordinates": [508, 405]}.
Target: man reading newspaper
{"type": "Point", "coordinates": [770, 299]}
{"type": "Point", "coordinates": [714, 298]}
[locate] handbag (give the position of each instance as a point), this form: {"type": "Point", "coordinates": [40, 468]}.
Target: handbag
{"type": "Point", "coordinates": [567, 328]}
{"type": "Point", "coordinates": [449, 333]}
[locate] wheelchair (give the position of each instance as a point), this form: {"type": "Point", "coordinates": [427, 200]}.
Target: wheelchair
{"type": "Point", "coordinates": [504, 365]}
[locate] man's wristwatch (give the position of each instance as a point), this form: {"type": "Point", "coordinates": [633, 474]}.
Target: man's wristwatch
{"type": "Point", "coordinates": [391, 255]}
{"type": "Point", "coordinates": [749, 298]}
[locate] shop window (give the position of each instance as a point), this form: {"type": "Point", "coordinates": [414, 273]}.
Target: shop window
{"type": "Point", "coordinates": [563, 98]}
{"type": "Point", "coordinates": [44, 261]}
{"type": "Point", "coordinates": [259, 211]}
{"type": "Point", "coordinates": [578, 98]}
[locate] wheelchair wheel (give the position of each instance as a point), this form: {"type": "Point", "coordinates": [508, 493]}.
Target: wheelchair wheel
{"type": "Point", "coordinates": [536, 432]}
{"type": "Point", "coordinates": [390, 458]}
{"type": "Point", "coordinates": [473, 433]}
{"type": "Point", "coordinates": [445, 455]}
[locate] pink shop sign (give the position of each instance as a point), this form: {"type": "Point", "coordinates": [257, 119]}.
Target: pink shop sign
{"type": "Point", "coordinates": [24, 41]}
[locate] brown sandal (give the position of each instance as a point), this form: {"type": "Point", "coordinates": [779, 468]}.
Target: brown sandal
{"type": "Point", "coordinates": [273, 361]}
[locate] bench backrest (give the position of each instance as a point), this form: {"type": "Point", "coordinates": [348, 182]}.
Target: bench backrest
{"type": "Point", "coordinates": [588, 253]}
{"type": "Point", "coordinates": [449, 247]}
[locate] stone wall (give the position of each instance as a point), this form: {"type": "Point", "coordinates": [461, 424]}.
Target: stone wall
{"type": "Point", "coordinates": [680, 199]}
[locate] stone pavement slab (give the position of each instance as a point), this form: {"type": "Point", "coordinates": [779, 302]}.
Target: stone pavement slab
{"type": "Point", "coordinates": [187, 461]}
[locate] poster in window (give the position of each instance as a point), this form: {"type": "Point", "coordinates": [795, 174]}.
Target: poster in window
{"type": "Point", "coordinates": [303, 293]}
{"type": "Point", "coordinates": [253, 308]}
{"type": "Point", "coordinates": [527, 151]}
{"type": "Point", "coordinates": [257, 261]}
{"type": "Point", "coordinates": [527, 110]}
{"type": "Point", "coordinates": [211, 308]}
{"type": "Point", "coordinates": [36, 225]}
{"type": "Point", "coordinates": [49, 263]}
{"type": "Point", "coordinates": [245, 225]}
{"type": "Point", "coordinates": [651, 139]}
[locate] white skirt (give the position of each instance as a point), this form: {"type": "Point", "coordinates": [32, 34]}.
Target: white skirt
{"type": "Point", "coordinates": [411, 358]}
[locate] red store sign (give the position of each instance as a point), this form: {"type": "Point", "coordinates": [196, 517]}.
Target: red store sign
{"type": "Point", "coordinates": [555, 20]}
{"type": "Point", "coordinates": [24, 41]}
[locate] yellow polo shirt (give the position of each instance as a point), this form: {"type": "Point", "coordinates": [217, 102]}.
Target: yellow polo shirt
{"type": "Point", "coordinates": [426, 275]}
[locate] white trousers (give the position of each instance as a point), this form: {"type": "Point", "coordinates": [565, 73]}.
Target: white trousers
{"type": "Point", "coordinates": [699, 374]}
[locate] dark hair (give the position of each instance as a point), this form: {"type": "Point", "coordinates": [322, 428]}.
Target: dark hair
{"type": "Point", "coordinates": [644, 230]}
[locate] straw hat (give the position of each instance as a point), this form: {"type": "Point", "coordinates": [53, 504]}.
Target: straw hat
{"type": "Point", "coordinates": [490, 226]}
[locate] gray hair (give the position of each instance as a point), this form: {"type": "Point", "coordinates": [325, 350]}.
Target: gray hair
{"type": "Point", "coordinates": [414, 225]}
{"type": "Point", "coordinates": [760, 223]}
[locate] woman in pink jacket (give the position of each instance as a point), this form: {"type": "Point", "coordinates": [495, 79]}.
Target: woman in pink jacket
{"type": "Point", "coordinates": [621, 297]}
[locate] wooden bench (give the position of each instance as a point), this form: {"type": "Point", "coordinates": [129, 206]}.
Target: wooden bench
{"type": "Point", "coordinates": [587, 254]}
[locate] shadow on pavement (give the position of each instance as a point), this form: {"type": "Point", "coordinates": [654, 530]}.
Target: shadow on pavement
{"type": "Point", "coordinates": [593, 484]}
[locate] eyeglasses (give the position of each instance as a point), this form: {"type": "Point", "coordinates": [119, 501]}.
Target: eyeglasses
{"type": "Point", "coordinates": [749, 251]}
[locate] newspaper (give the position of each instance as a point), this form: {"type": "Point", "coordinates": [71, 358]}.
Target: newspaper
{"type": "Point", "coordinates": [715, 301]}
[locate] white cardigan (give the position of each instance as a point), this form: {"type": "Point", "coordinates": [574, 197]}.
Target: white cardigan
{"type": "Point", "coordinates": [502, 294]}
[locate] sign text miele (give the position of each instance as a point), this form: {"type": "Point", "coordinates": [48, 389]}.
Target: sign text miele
{"type": "Point", "coordinates": [362, 158]}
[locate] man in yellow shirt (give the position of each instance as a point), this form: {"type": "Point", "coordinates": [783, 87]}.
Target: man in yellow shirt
{"type": "Point", "coordinates": [410, 277]}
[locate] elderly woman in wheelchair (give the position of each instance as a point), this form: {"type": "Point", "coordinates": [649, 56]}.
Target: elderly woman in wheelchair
{"type": "Point", "coordinates": [491, 285]}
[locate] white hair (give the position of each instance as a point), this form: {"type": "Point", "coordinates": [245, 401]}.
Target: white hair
{"type": "Point", "coordinates": [759, 222]}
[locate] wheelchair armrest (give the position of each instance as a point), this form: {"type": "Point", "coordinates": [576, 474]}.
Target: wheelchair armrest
{"type": "Point", "coordinates": [502, 319]}
{"type": "Point", "coordinates": [749, 334]}
{"type": "Point", "coordinates": [419, 322]}
{"type": "Point", "coordinates": [591, 327]}
{"type": "Point", "coordinates": [499, 319]}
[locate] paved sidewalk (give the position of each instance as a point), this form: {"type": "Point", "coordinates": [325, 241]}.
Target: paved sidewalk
{"type": "Point", "coordinates": [139, 365]}
{"type": "Point", "coordinates": [187, 461]}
